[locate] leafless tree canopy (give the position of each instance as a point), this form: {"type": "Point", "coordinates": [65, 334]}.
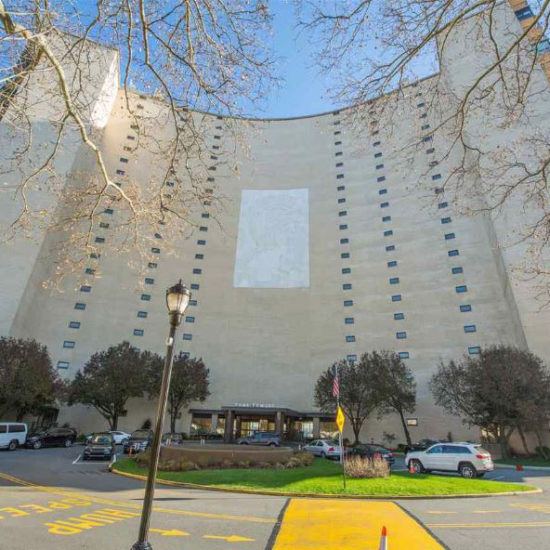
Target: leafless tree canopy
{"type": "Point", "coordinates": [375, 48]}
{"type": "Point", "coordinates": [207, 55]}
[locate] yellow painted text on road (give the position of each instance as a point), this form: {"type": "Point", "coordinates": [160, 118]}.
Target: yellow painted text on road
{"type": "Point", "coordinates": [352, 524]}
{"type": "Point", "coordinates": [24, 510]}
{"type": "Point", "coordinates": [99, 518]}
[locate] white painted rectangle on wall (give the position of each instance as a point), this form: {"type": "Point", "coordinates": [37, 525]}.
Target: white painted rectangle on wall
{"type": "Point", "coordinates": [273, 239]}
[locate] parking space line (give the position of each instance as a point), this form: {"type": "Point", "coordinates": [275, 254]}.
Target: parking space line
{"type": "Point", "coordinates": [77, 459]}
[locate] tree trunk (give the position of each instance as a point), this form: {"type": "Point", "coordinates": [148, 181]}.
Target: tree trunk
{"type": "Point", "coordinates": [19, 416]}
{"type": "Point", "coordinates": [405, 429]}
{"type": "Point", "coordinates": [356, 424]}
{"type": "Point", "coordinates": [173, 417]}
{"type": "Point", "coordinates": [113, 422]}
{"type": "Point", "coordinates": [523, 440]}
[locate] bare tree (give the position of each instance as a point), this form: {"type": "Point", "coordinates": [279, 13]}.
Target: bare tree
{"type": "Point", "coordinates": [55, 89]}
{"type": "Point", "coordinates": [374, 49]}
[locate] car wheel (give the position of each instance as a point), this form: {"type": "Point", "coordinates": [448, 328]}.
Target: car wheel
{"type": "Point", "coordinates": [12, 446]}
{"type": "Point", "coordinates": [68, 442]}
{"type": "Point", "coordinates": [467, 471]}
{"type": "Point", "coordinates": [37, 444]}
{"type": "Point", "coordinates": [272, 444]}
{"type": "Point", "coordinates": [417, 466]}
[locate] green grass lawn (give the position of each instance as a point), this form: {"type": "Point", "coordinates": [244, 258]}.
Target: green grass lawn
{"type": "Point", "coordinates": [324, 477]}
{"type": "Point", "coordinates": [524, 461]}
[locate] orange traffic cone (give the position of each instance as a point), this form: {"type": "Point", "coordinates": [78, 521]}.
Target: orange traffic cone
{"type": "Point", "coordinates": [519, 468]}
{"type": "Point", "coordinates": [384, 539]}
{"type": "Point", "coordinates": [411, 468]}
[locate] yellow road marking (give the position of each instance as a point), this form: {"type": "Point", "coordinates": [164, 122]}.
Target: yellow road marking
{"type": "Point", "coordinates": [487, 525]}
{"type": "Point", "coordinates": [170, 532]}
{"type": "Point", "coordinates": [440, 512]}
{"type": "Point", "coordinates": [351, 524]}
{"type": "Point", "coordinates": [544, 508]}
{"type": "Point", "coordinates": [486, 511]}
{"type": "Point", "coordinates": [230, 538]}
{"type": "Point", "coordinates": [99, 518]}
{"type": "Point", "coordinates": [112, 502]}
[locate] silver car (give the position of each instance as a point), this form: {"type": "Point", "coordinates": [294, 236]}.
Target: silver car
{"type": "Point", "coordinates": [468, 459]}
{"type": "Point", "coordinates": [325, 448]}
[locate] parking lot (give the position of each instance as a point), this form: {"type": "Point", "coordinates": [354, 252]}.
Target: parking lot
{"type": "Point", "coordinates": [50, 498]}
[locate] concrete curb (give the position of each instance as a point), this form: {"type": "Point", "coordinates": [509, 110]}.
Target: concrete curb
{"type": "Point", "coordinates": [323, 495]}
{"type": "Point", "coordinates": [535, 468]}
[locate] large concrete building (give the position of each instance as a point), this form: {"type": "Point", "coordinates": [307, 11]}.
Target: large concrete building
{"type": "Point", "coordinates": [333, 239]}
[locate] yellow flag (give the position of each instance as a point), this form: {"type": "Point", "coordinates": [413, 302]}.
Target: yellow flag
{"type": "Point", "coordinates": [340, 419]}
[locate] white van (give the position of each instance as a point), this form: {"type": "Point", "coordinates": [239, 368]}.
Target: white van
{"type": "Point", "coordinates": [12, 434]}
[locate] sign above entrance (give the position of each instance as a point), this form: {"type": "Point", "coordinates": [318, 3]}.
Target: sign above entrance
{"type": "Point", "coordinates": [257, 406]}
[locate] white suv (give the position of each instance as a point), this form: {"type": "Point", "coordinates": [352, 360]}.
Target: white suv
{"type": "Point", "coordinates": [468, 459]}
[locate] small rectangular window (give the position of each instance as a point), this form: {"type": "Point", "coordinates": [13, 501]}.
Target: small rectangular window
{"type": "Point", "coordinates": [436, 177]}
{"type": "Point", "coordinates": [456, 270]}
{"type": "Point", "coordinates": [338, 154]}
{"type": "Point", "coordinates": [189, 319]}
{"type": "Point", "coordinates": [339, 176]}
{"type": "Point", "coordinates": [388, 233]}
{"type": "Point", "coordinates": [149, 281]}
{"type": "Point", "coordinates": [348, 303]}
{"type": "Point", "coordinates": [449, 236]}
{"type": "Point", "coordinates": [464, 308]}
{"type": "Point", "coordinates": [199, 256]}
{"type": "Point", "coordinates": [474, 350]}
{"type": "Point", "coordinates": [217, 137]}
{"type": "Point", "coordinates": [351, 358]}
{"type": "Point", "coordinates": [346, 270]}
{"type": "Point", "coordinates": [470, 328]}
{"type": "Point", "coordinates": [142, 314]}
{"type": "Point", "coordinates": [203, 228]}
{"type": "Point", "coordinates": [152, 265]}
{"type": "Point", "coordinates": [85, 288]}
{"type": "Point", "coordinates": [193, 302]}
{"type": "Point", "coordinates": [378, 155]}
{"type": "Point", "coordinates": [80, 305]}
{"type": "Point", "coordinates": [341, 200]}
{"type": "Point", "coordinates": [337, 143]}
{"type": "Point", "coordinates": [381, 178]}
{"type": "Point", "coordinates": [342, 213]}
{"type": "Point", "coordinates": [461, 289]}
{"type": "Point", "coordinates": [195, 286]}
{"type": "Point", "coordinates": [339, 164]}
{"type": "Point", "coordinates": [442, 205]}
{"type": "Point", "coordinates": [89, 271]}
{"type": "Point", "coordinates": [120, 172]}
{"type": "Point", "coordinates": [95, 255]}
{"type": "Point", "coordinates": [155, 250]}
{"type": "Point", "coordinates": [197, 271]}
{"type": "Point", "coordinates": [438, 190]}
{"type": "Point", "coordinates": [104, 225]}
{"type": "Point", "coordinates": [390, 247]}
{"type": "Point", "coordinates": [376, 144]}
{"type": "Point", "coordinates": [433, 163]}
{"type": "Point", "coordinates": [62, 364]}
{"type": "Point", "coordinates": [386, 218]}
{"type": "Point", "coordinates": [446, 220]}
{"type": "Point", "coordinates": [74, 324]}
{"type": "Point", "coordinates": [349, 320]}
{"type": "Point", "coordinates": [109, 211]}
{"type": "Point", "coordinates": [187, 336]}
{"type": "Point", "coordinates": [401, 335]}
{"type": "Point", "coordinates": [343, 226]}
{"type": "Point", "coordinates": [336, 122]}
{"type": "Point", "coordinates": [382, 191]}
{"type": "Point", "coordinates": [393, 263]}
{"type": "Point", "coordinates": [340, 188]}
{"type": "Point", "coordinates": [403, 355]}
{"type": "Point", "coordinates": [69, 344]}
{"type": "Point", "coordinates": [131, 138]}
{"type": "Point", "coordinates": [100, 239]}
{"type": "Point", "coordinates": [146, 297]}
{"type": "Point", "coordinates": [344, 241]}
{"type": "Point", "coordinates": [421, 104]}
{"type": "Point", "coordinates": [396, 298]}
{"type": "Point", "coordinates": [205, 215]}
{"type": "Point", "coordinates": [425, 126]}
{"type": "Point", "coordinates": [524, 13]}
{"type": "Point", "coordinates": [384, 204]}
{"type": "Point", "coordinates": [344, 255]}
{"type": "Point", "coordinates": [394, 280]}
{"type": "Point", "coordinates": [138, 332]}
{"type": "Point", "coordinates": [350, 338]}
{"type": "Point", "coordinates": [201, 242]}
{"type": "Point", "coordinates": [426, 139]}
{"type": "Point", "coordinates": [337, 133]}
{"type": "Point", "coordinates": [122, 159]}
{"type": "Point", "coordinates": [399, 316]}
{"type": "Point", "coordinates": [430, 151]}
{"type": "Point", "coordinates": [379, 166]}
{"type": "Point", "coordinates": [346, 286]}
{"type": "Point", "coordinates": [453, 253]}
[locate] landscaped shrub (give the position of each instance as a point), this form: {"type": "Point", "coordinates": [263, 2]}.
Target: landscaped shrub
{"type": "Point", "coordinates": [357, 467]}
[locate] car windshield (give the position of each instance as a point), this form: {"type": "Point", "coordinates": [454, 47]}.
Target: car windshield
{"type": "Point", "coordinates": [140, 434]}
{"type": "Point", "coordinates": [101, 440]}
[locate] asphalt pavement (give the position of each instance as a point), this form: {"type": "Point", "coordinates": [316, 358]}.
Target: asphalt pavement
{"type": "Point", "coordinates": [50, 499]}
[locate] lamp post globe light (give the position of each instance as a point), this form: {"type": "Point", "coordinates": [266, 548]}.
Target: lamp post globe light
{"type": "Point", "coordinates": [177, 300]}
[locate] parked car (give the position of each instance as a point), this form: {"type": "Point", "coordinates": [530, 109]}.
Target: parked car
{"type": "Point", "coordinates": [120, 437]}
{"type": "Point", "coordinates": [371, 451]}
{"type": "Point", "coordinates": [468, 459]}
{"type": "Point", "coordinates": [56, 437]}
{"type": "Point", "coordinates": [139, 441]}
{"type": "Point", "coordinates": [12, 435]}
{"type": "Point", "coordinates": [269, 439]}
{"type": "Point", "coordinates": [422, 445]}
{"type": "Point", "coordinates": [101, 445]}
{"type": "Point", "coordinates": [172, 439]}
{"type": "Point", "coordinates": [325, 448]}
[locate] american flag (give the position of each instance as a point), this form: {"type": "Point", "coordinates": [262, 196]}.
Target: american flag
{"type": "Point", "coordinates": [336, 385]}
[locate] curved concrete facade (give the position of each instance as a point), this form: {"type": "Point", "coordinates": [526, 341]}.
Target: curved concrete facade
{"type": "Point", "coordinates": [333, 240]}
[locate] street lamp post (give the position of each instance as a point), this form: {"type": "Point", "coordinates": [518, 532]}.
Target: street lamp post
{"type": "Point", "coordinates": [177, 299]}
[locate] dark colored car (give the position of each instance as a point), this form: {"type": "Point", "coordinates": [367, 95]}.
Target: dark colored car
{"type": "Point", "coordinates": [371, 451]}
{"type": "Point", "coordinates": [268, 439]}
{"type": "Point", "coordinates": [139, 441]}
{"type": "Point", "coordinates": [56, 437]}
{"type": "Point", "coordinates": [422, 445]}
{"type": "Point", "coordinates": [100, 446]}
